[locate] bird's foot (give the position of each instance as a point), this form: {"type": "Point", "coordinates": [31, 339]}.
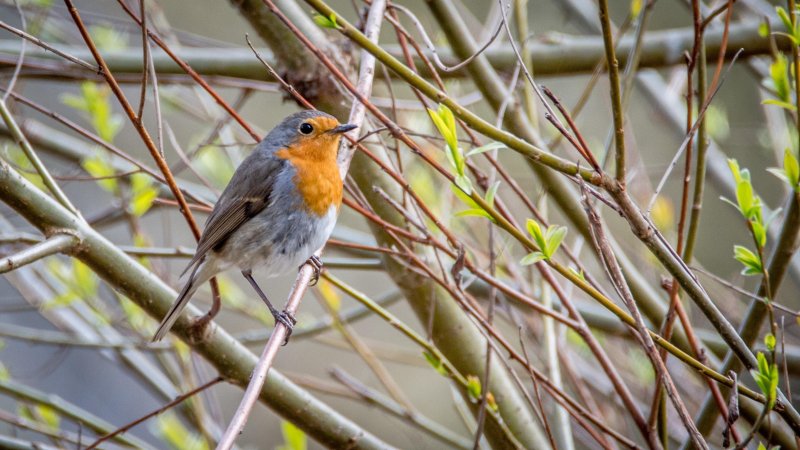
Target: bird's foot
{"type": "Point", "coordinates": [317, 265]}
{"type": "Point", "coordinates": [287, 319]}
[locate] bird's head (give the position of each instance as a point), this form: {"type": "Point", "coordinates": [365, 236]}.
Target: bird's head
{"type": "Point", "coordinates": [309, 134]}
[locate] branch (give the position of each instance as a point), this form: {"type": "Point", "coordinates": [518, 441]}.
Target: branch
{"type": "Point", "coordinates": [612, 65]}
{"type": "Point", "coordinates": [55, 244]}
{"type": "Point", "coordinates": [621, 286]}
{"type": "Point", "coordinates": [227, 355]}
{"type": "Point", "coordinates": [22, 141]}
{"type": "Point", "coordinates": [661, 48]}
{"type": "Point", "coordinates": [68, 410]}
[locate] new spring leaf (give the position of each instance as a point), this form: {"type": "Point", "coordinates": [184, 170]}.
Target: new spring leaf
{"type": "Point", "coordinates": [445, 122]}
{"type": "Point", "coordinates": [766, 377]}
{"type": "Point", "coordinates": [547, 240]}
{"type": "Point", "coordinates": [750, 261]}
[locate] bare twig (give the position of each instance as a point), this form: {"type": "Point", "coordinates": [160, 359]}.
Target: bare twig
{"type": "Point", "coordinates": [428, 43]}
{"type": "Point", "coordinates": [158, 411]}
{"type": "Point", "coordinates": [57, 243]}
{"type": "Point", "coordinates": [21, 57]}
{"type": "Point", "coordinates": [37, 163]}
{"type": "Point", "coordinates": [50, 48]}
{"type": "Point", "coordinates": [618, 280]}
{"type": "Point", "coordinates": [688, 139]}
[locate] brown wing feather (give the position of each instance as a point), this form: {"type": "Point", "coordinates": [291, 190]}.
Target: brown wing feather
{"type": "Point", "coordinates": [246, 195]}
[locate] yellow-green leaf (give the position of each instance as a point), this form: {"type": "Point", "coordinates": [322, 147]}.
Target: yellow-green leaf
{"type": "Point", "coordinates": [294, 437]}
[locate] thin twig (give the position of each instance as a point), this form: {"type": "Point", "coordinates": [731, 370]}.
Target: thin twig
{"type": "Point", "coordinates": [416, 419]}
{"type": "Point", "coordinates": [616, 97]}
{"type": "Point", "coordinates": [428, 43]}
{"type": "Point", "coordinates": [56, 244]}
{"type": "Point", "coordinates": [49, 47]}
{"type": "Point", "coordinates": [21, 57]}
{"type": "Point", "coordinates": [700, 115]}
{"type": "Point", "coordinates": [618, 279]}
{"type": "Point", "coordinates": [158, 411]}
{"type": "Point", "coordinates": [194, 75]}
{"type": "Point", "coordinates": [25, 145]}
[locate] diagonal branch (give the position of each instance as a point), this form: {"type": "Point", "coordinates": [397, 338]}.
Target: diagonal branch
{"type": "Point", "coordinates": [57, 243]}
{"type": "Point", "coordinates": [618, 280]}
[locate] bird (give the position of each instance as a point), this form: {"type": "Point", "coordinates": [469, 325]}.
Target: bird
{"type": "Point", "coordinates": [279, 207]}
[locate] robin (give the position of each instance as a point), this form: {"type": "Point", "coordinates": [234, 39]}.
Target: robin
{"type": "Point", "coordinates": [278, 209]}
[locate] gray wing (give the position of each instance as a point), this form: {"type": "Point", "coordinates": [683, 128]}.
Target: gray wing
{"type": "Point", "coordinates": [246, 195]}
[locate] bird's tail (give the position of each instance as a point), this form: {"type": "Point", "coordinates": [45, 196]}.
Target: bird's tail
{"type": "Point", "coordinates": [200, 274]}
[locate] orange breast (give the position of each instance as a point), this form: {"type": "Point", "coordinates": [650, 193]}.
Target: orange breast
{"type": "Point", "coordinates": [317, 177]}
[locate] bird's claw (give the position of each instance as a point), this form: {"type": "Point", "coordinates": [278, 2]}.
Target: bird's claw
{"type": "Point", "coordinates": [287, 320]}
{"type": "Point", "coordinates": [317, 265]}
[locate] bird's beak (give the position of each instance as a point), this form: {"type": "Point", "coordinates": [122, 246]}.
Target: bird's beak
{"type": "Point", "coordinates": [344, 128]}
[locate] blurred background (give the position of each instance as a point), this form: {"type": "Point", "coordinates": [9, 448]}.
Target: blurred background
{"type": "Point", "coordinates": [58, 299]}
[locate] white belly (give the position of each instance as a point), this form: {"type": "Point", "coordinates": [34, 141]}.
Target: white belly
{"type": "Point", "coordinates": [282, 263]}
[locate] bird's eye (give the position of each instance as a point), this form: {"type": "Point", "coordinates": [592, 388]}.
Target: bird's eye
{"type": "Point", "coordinates": [306, 128]}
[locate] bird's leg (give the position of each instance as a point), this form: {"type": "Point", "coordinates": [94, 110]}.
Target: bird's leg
{"type": "Point", "coordinates": [316, 264]}
{"type": "Point", "coordinates": [280, 316]}
{"type": "Point", "coordinates": [216, 304]}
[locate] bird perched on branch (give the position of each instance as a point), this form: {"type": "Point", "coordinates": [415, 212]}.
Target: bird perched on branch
{"type": "Point", "coordinates": [278, 209]}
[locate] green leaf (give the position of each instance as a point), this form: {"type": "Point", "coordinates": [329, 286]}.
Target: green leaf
{"type": "Point", "coordinates": [636, 8]}
{"type": "Point", "coordinates": [532, 258]}
{"type": "Point", "coordinates": [580, 274]}
{"type": "Point", "coordinates": [143, 193]}
{"type": "Point", "coordinates": [769, 341]}
{"type": "Point", "coordinates": [485, 148]}
{"type": "Point", "coordinates": [464, 183]}
{"type": "Point", "coordinates": [490, 193]}
{"type": "Point", "coordinates": [48, 416]}
{"type": "Point", "coordinates": [98, 167]}
{"type": "Point", "coordinates": [780, 103]}
{"type": "Point", "coordinates": [759, 233]}
{"type": "Point", "coordinates": [553, 237]}
{"type": "Point", "coordinates": [779, 76]}
{"type": "Point", "coordinates": [108, 39]}
{"type": "Point", "coordinates": [733, 165]}
{"type": "Point", "coordinates": [763, 29]}
{"type": "Point", "coordinates": [784, 16]}
{"type": "Point", "coordinates": [85, 280]}
{"type": "Point", "coordinates": [766, 377]}
{"type": "Point", "coordinates": [474, 387]}
{"type": "Point", "coordinates": [95, 103]}
{"type": "Point", "coordinates": [751, 261]}
{"type": "Point", "coordinates": [466, 199]}
{"type": "Point", "coordinates": [744, 197]}
{"type": "Point", "coordinates": [294, 437]}
{"type": "Point", "coordinates": [172, 430]}
{"type": "Point", "coordinates": [474, 208]}
{"type": "Point", "coordinates": [435, 362]}
{"type": "Point", "coordinates": [474, 212]}
{"type": "Point", "coordinates": [450, 123]}
{"type": "Point", "coordinates": [791, 168]}
{"type": "Point", "coordinates": [445, 122]}
{"type": "Point", "coordinates": [326, 22]}
{"type": "Point", "coordinates": [780, 173]}
{"type": "Point", "coordinates": [535, 230]}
